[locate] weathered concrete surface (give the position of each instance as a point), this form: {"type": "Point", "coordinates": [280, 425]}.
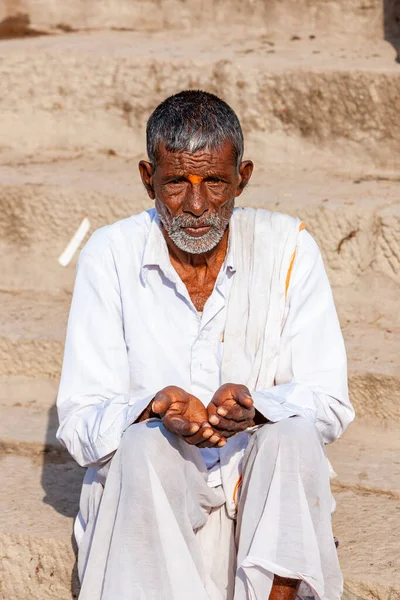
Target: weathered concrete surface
{"type": "Point", "coordinates": [366, 526]}
{"type": "Point", "coordinates": [366, 459]}
{"type": "Point", "coordinates": [27, 393]}
{"type": "Point", "coordinates": [32, 334]}
{"type": "Point", "coordinates": [37, 568]}
{"type": "Point", "coordinates": [373, 355]}
{"type": "Point", "coordinates": [353, 17]}
{"type": "Point", "coordinates": [85, 92]}
{"type": "Point", "coordinates": [38, 502]}
{"type": "Point", "coordinates": [367, 492]}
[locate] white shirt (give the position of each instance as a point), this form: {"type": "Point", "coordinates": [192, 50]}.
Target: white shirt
{"type": "Point", "coordinates": [133, 330]}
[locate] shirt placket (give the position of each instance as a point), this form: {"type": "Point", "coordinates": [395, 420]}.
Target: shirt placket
{"type": "Point", "coordinates": [204, 367]}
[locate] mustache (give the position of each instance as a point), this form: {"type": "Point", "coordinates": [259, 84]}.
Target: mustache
{"type": "Point", "coordinates": [182, 221]}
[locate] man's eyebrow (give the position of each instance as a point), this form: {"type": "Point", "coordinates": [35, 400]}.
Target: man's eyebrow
{"type": "Point", "coordinates": [173, 176]}
{"type": "Point", "coordinates": [184, 175]}
{"type": "Point", "coordinates": [216, 175]}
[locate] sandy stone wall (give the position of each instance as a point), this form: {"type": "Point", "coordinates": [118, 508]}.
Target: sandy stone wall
{"type": "Point", "coordinates": [359, 18]}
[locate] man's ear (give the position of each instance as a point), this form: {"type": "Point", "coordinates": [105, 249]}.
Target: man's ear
{"type": "Point", "coordinates": [245, 172]}
{"type": "Point", "coordinates": [146, 173]}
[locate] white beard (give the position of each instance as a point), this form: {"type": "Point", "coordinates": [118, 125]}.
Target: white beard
{"type": "Point", "coordinates": [197, 245]}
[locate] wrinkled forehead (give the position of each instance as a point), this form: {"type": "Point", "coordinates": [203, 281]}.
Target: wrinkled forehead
{"type": "Point", "coordinates": [222, 159]}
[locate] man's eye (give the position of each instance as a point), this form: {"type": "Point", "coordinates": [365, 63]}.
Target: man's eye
{"type": "Point", "coordinates": [174, 183]}
{"type": "Point", "coordinates": [213, 180]}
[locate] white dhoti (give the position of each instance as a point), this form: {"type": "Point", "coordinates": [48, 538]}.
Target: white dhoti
{"type": "Point", "coordinates": [162, 533]}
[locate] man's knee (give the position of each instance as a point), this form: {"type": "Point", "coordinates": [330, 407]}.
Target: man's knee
{"type": "Point", "coordinates": [146, 440]}
{"type": "Point", "coordinates": [295, 444]}
{"type": "Point", "coordinates": [295, 432]}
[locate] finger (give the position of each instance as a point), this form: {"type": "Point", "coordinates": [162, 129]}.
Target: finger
{"type": "Point", "coordinates": [223, 411]}
{"type": "Point", "coordinates": [239, 413]}
{"type": "Point", "coordinates": [161, 403]}
{"type": "Point", "coordinates": [243, 397]}
{"type": "Point", "coordinates": [214, 419]}
{"type": "Point", "coordinates": [208, 444]}
{"type": "Point", "coordinates": [202, 435]}
{"type": "Point", "coordinates": [231, 425]}
{"type": "Point", "coordinates": [180, 426]}
{"type": "Point", "coordinates": [223, 400]}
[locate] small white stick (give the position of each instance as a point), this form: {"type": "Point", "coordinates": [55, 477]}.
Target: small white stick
{"type": "Point", "coordinates": [74, 243]}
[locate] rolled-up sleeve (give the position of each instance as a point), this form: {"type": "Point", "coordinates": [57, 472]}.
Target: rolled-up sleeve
{"type": "Point", "coordinates": [94, 402]}
{"type": "Point", "coordinates": [311, 379]}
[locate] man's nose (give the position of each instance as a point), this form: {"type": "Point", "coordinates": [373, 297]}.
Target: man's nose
{"type": "Point", "coordinates": [196, 201]}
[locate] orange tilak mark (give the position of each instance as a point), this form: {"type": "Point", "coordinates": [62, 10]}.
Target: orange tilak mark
{"type": "Point", "coordinates": [236, 488]}
{"type": "Point", "coordinates": [195, 179]}
{"type": "Point", "coordinates": [302, 226]}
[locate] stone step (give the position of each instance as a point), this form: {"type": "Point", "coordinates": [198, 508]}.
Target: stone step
{"type": "Point", "coordinates": [31, 431]}
{"type": "Point", "coordinates": [374, 382]}
{"type": "Point", "coordinates": [366, 459]}
{"type": "Point", "coordinates": [354, 217]}
{"type": "Point", "coordinates": [355, 17]}
{"type": "Point", "coordinates": [32, 334]}
{"type": "Point", "coordinates": [367, 493]}
{"type": "Point", "coordinates": [36, 525]}
{"type": "Point", "coordinates": [27, 393]}
{"type": "Point", "coordinates": [29, 418]}
{"type": "Point", "coordinates": [38, 503]}
{"type": "Point", "coordinates": [326, 102]}
{"type": "Point", "coordinates": [365, 524]}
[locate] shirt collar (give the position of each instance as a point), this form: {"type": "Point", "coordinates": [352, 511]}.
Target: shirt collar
{"type": "Point", "coordinates": [156, 250]}
{"type": "Point", "coordinates": [230, 253]}
{"type": "Point", "coordinates": [155, 246]}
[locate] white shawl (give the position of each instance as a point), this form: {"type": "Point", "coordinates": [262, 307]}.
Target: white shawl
{"type": "Point", "coordinates": [264, 246]}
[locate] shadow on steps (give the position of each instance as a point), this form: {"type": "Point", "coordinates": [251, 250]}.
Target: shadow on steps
{"type": "Point", "coordinates": [61, 477]}
{"type": "Point", "coordinates": [61, 480]}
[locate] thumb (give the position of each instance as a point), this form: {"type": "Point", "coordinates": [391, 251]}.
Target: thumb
{"type": "Point", "coordinates": [244, 398]}
{"type": "Point", "coordinates": [161, 404]}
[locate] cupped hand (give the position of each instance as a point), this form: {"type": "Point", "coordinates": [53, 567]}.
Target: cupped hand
{"type": "Point", "coordinates": [231, 410]}
{"type": "Point", "coordinates": [185, 415]}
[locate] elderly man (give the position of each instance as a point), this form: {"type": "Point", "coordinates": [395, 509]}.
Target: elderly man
{"type": "Point", "coordinates": [204, 372]}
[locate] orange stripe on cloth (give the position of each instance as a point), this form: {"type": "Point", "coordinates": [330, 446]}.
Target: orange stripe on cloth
{"type": "Point", "coordinates": [236, 489]}
{"type": "Point", "coordinates": [289, 273]}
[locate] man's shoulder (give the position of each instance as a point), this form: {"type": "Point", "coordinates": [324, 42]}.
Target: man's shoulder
{"type": "Point", "coordinates": [307, 248]}
{"type": "Point", "coordinates": [264, 216]}
{"type": "Point", "coordinates": [126, 234]}
{"type": "Point", "coordinates": [274, 226]}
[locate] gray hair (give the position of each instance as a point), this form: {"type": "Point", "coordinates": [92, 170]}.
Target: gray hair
{"type": "Point", "coordinates": [193, 120]}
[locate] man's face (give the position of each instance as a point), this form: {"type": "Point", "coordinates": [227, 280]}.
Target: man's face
{"type": "Point", "coordinates": [195, 194]}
